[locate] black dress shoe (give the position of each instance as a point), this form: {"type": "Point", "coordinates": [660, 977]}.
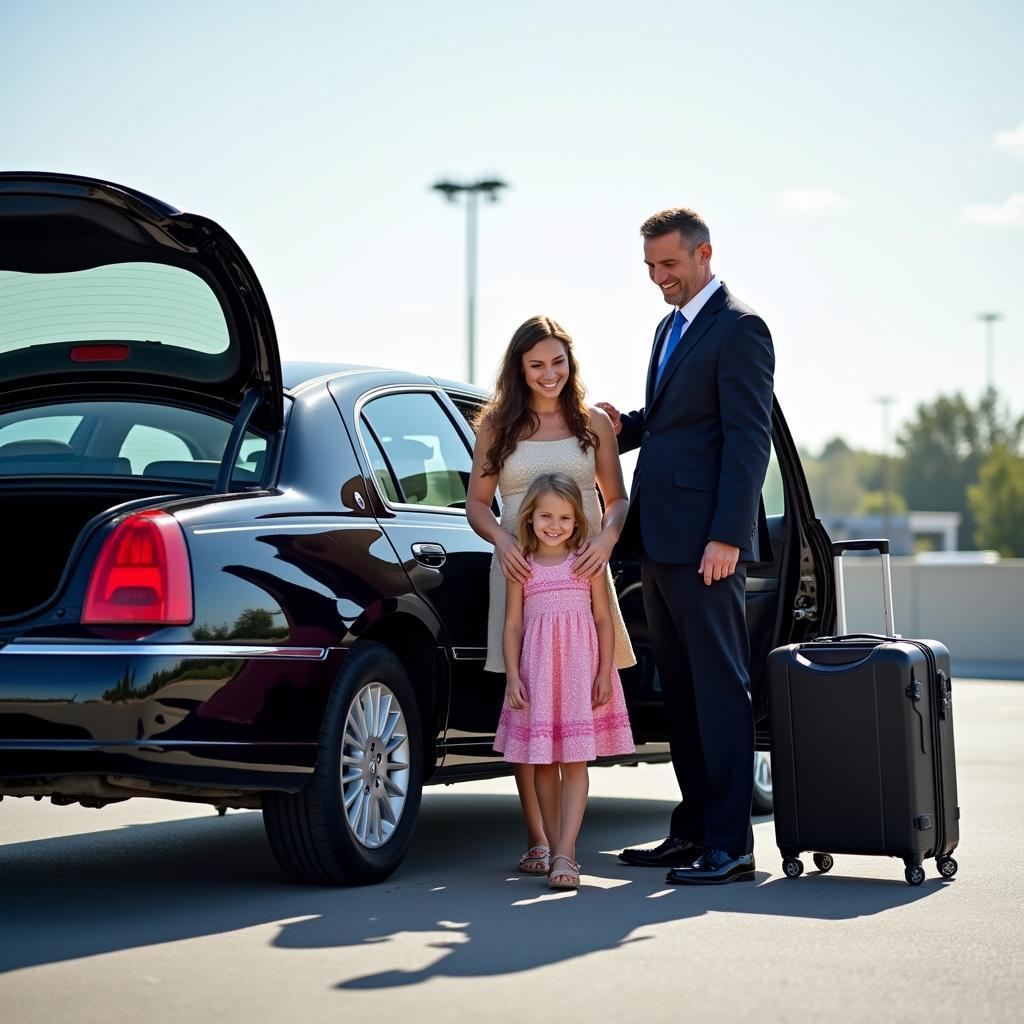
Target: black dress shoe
{"type": "Point", "coordinates": [672, 853]}
{"type": "Point", "coordinates": [713, 867]}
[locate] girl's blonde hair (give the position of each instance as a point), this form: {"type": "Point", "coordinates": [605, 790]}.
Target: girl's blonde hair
{"type": "Point", "coordinates": [564, 487]}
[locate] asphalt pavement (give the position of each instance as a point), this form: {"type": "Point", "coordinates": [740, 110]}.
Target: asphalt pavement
{"type": "Point", "coordinates": [156, 911]}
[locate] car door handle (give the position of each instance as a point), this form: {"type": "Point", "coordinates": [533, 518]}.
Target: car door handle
{"type": "Point", "coordinates": [432, 555]}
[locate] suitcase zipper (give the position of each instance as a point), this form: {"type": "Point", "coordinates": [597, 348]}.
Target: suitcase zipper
{"type": "Point", "coordinates": [941, 697]}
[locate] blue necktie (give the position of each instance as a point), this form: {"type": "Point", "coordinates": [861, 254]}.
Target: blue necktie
{"type": "Point", "coordinates": [678, 323]}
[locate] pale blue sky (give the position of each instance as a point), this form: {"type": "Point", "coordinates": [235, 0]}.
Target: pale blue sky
{"type": "Point", "coordinates": [312, 132]}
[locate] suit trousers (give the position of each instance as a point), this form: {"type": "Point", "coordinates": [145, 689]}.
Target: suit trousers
{"type": "Point", "coordinates": [702, 652]}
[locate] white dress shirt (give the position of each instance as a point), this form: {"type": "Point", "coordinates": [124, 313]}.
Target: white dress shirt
{"type": "Point", "coordinates": [690, 311]}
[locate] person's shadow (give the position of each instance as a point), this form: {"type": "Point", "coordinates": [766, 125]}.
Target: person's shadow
{"type": "Point", "coordinates": [458, 890]}
{"type": "Point", "coordinates": [489, 921]}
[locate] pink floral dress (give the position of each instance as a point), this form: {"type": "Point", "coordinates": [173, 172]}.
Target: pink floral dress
{"type": "Point", "coordinates": [558, 665]}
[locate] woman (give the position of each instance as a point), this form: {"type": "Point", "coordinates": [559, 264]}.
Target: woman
{"type": "Point", "coordinates": [537, 422]}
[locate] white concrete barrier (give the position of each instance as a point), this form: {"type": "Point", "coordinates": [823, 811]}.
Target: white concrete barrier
{"type": "Point", "coordinates": [977, 611]}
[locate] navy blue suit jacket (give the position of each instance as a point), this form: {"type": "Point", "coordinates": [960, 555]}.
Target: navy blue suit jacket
{"type": "Point", "coordinates": [704, 436]}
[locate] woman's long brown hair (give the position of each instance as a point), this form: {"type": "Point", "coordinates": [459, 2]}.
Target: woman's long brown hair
{"type": "Point", "coordinates": [508, 413]}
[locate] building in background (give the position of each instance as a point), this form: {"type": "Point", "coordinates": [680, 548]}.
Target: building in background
{"type": "Point", "coordinates": [910, 532]}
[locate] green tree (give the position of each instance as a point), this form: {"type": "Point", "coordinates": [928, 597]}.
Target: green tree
{"type": "Point", "coordinates": [841, 478]}
{"type": "Point", "coordinates": [873, 504]}
{"type": "Point", "coordinates": [997, 503]}
{"type": "Point", "coordinates": [944, 447]}
{"type": "Point", "coordinates": [832, 479]}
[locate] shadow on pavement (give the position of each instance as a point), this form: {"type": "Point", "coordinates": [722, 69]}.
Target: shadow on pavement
{"type": "Point", "coordinates": [458, 890]}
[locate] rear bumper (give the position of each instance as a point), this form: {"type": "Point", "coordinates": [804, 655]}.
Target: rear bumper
{"type": "Point", "coordinates": [184, 716]}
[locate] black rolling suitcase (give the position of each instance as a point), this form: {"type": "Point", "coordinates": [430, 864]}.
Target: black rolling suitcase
{"type": "Point", "coordinates": [862, 743]}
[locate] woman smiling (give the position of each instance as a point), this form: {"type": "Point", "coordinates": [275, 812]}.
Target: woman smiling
{"type": "Point", "coordinates": [538, 422]}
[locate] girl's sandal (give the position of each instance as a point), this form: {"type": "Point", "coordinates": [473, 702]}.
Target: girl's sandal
{"type": "Point", "coordinates": [535, 861]}
{"type": "Point", "coordinates": [564, 878]}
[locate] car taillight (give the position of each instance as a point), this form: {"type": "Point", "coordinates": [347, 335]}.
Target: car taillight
{"type": "Point", "coordinates": [142, 574]}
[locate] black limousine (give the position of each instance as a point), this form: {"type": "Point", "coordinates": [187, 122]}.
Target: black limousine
{"type": "Point", "coordinates": [249, 585]}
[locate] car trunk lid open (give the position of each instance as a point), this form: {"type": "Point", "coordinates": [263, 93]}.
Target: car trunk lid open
{"type": "Point", "coordinates": [104, 290]}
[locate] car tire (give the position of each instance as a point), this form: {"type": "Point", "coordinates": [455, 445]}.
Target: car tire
{"type": "Point", "coordinates": [353, 821]}
{"type": "Point", "coordinates": [764, 801]}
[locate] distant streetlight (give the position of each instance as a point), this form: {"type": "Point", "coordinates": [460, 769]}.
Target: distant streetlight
{"type": "Point", "coordinates": [885, 401]}
{"type": "Point", "coordinates": [989, 319]}
{"type": "Point", "coordinates": [488, 187]}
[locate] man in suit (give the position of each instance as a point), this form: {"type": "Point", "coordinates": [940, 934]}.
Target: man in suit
{"type": "Point", "coordinates": [704, 436]}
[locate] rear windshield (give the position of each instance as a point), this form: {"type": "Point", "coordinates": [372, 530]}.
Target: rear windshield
{"type": "Point", "coordinates": [120, 302]}
{"type": "Point", "coordinates": [123, 439]}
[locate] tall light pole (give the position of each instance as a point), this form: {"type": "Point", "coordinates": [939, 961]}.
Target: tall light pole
{"type": "Point", "coordinates": [885, 401]}
{"type": "Point", "coordinates": [488, 187]}
{"type": "Point", "coordinates": [989, 319]}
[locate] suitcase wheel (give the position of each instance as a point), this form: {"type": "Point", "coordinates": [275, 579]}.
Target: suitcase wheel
{"type": "Point", "coordinates": [914, 874]}
{"type": "Point", "coordinates": [947, 866]}
{"type": "Point", "coordinates": [823, 862]}
{"type": "Point", "coordinates": [793, 867]}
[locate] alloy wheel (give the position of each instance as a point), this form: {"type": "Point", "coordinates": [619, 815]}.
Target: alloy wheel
{"type": "Point", "coordinates": [374, 765]}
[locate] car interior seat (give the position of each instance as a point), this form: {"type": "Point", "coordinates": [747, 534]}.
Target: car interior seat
{"type": "Point", "coordinates": [33, 447]}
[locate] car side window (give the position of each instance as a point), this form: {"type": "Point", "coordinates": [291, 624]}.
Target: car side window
{"type": "Point", "coordinates": [416, 451]}
{"type": "Point", "coordinates": [468, 407]}
{"type": "Point", "coordinates": [379, 464]}
{"type": "Point", "coordinates": [773, 493]}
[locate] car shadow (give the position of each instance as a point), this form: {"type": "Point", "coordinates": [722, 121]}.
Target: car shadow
{"type": "Point", "coordinates": [458, 891]}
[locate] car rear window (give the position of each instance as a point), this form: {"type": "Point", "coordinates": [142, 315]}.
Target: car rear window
{"type": "Point", "coordinates": [119, 302]}
{"type": "Point", "coordinates": [123, 439]}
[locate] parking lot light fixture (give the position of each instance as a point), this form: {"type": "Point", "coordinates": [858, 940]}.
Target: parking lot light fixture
{"type": "Point", "coordinates": [989, 318]}
{"type": "Point", "coordinates": [451, 190]}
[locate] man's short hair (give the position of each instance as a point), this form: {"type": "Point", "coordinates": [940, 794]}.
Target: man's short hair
{"type": "Point", "coordinates": [687, 222]}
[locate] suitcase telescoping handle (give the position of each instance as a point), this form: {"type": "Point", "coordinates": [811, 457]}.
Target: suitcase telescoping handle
{"type": "Point", "coordinates": [882, 547]}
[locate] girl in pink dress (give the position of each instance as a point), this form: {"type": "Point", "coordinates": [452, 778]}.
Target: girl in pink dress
{"type": "Point", "coordinates": [563, 698]}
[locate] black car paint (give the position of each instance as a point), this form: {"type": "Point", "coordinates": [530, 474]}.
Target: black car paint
{"type": "Point", "coordinates": [299, 558]}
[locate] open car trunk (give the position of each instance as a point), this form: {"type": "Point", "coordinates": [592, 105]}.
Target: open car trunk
{"type": "Point", "coordinates": [137, 358]}
{"type": "Point", "coordinates": [43, 522]}
{"type": "Point", "coordinates": [106, 290]}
